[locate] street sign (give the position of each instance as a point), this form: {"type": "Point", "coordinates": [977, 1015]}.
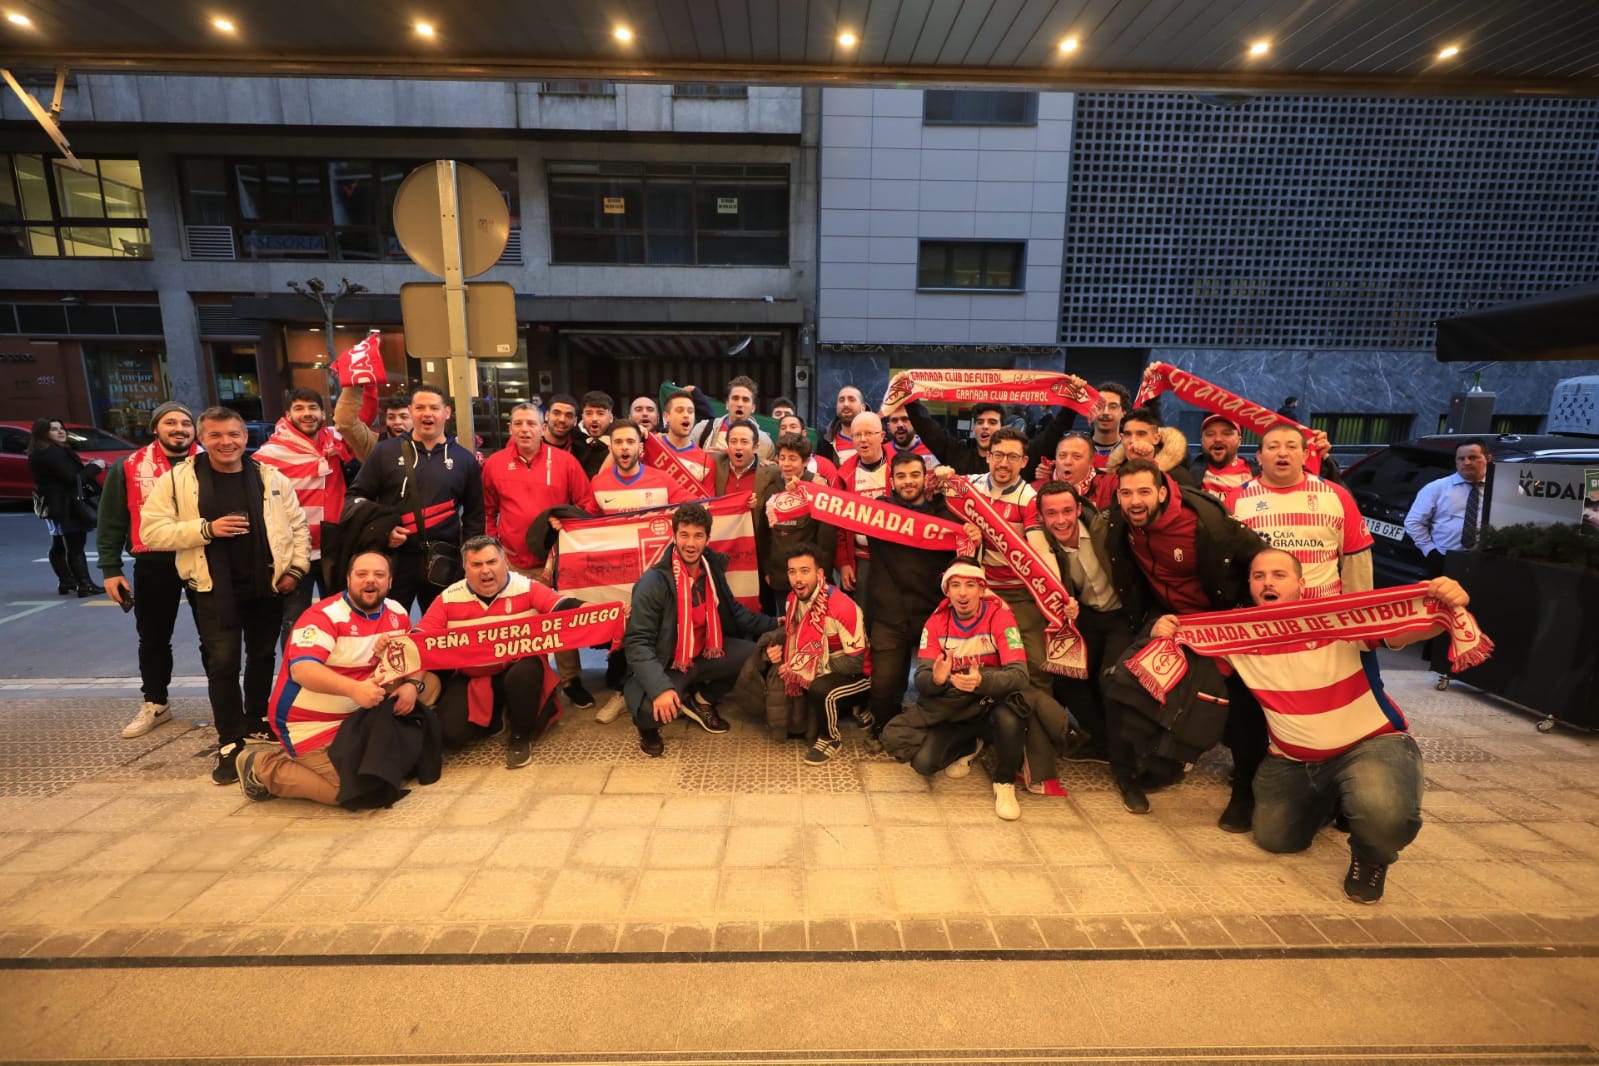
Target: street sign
{"type": "Point", "coordinates": [490, 319]}
{"type": "Point", "coordinates": [484, 218]}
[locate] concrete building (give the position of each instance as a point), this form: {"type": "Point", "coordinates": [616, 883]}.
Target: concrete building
{"type": "Point", "coordinates": [654, 227]}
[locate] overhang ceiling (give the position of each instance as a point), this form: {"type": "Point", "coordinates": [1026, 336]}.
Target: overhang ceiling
{"type": "Point", "coordinates": [1197, 45]}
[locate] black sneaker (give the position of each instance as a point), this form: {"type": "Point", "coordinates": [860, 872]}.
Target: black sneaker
{"type": "Point", "coordinates": [865, 719]}
{"type": "Point", "coordinates": [578, 696]}
{"type": "Point", "coordinates": [1240, 813]}
{"type": "Point", "coordinates": [226, 771]}
{"type": "Point", "coordinates": [702, 714]}
{"type": "Point", "coordinates": [249, 784]}
{"type": "Point", "coordinates": [822, 751]}
{"type": "Point", "coordinates": [1133, 799]}
{"type": "Point", "coordinates": [650, 743]}
{"type": "Point", "coordinates": [519, 752]}
{"type": "Point", "coordinates": [1364, 881]}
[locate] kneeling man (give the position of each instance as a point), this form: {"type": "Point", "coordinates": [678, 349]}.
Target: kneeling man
{"type": "Point", "coordinates": [326, 677]}
{"type": "Point", "coordinates": [1338, 743]}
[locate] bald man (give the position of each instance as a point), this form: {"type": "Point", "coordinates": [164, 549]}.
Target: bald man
{"type": "Point", "coordinates": [866, 473]}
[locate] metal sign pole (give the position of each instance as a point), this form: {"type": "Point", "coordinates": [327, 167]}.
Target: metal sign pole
{"type": "Point", "coordinates": [463, 371]}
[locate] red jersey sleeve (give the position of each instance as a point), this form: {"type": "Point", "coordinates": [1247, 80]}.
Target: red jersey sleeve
{"type": "Point", "coordinates": [312, 638]}
{"type": "Point", "coordinates": [1006, 634]}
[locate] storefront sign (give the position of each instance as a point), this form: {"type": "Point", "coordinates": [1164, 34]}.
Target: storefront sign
{"type": "Point", "coordinates": [615, 205]}
{"type": "Point", "coordinates": [1545, 494]}
{"type": "Point", "coordinates": [727, 205]}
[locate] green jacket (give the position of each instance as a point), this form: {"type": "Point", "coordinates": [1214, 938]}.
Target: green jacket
{"type": "Point", "coordinates": [114, 534]}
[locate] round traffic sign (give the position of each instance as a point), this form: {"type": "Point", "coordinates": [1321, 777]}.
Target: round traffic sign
{"type": "Point", "coordinates": [485, 220]}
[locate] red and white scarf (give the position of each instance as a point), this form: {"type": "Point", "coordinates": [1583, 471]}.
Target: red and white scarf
{"type": "Point", "coordinates": [1163, 377]}
{"type": "Point", "coordinates": [1282, 628]}
{"type": "Point", "coordinates": [1064, 652]}
{"type": "Point", "coordinates": [140, 471]}
{"type": "Point", "coordinates": [315, 467]}
{"type": "Point", "coordinates": [804, 641]}
{"type": "Point", "coordinates": [1046, 388]}
{"type": "Point", "coordinates": [659, 454]}
{"type": "Point", "coordinates": [684, 654]}
{"type": "Point", "coordinates": [864, 515]}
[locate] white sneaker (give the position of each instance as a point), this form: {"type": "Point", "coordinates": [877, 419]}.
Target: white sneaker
{"type": "Point", "coordinates": [611, 709]}
{"type": "Point", "coordinates": [1005, 804]}
{"type": "Point", "coordinates": [963, 765]}
{"type": "Point", "coordinates": [150, 715]}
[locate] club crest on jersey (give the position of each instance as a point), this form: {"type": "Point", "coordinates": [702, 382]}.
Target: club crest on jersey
{"type": "Point", "coordinates": [1177, 554]}
{"type": "Point", "coordinates": [1261, 505]}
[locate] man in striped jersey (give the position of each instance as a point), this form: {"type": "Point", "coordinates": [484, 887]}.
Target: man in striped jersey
{"type": "Point", "coordinates": [677, 423]}
{"type": "Point", "coordinates": [1338, 743]}
{"type": "Point", "coordinates": [627, 484]}
{"type": "Point", "coordinates": [326, 677]}
{"type": "Point", "coordinates": [864, 473]}
{"type": "Point", "coordinates": [311, 455]}
{"type": "Point", "coordinates": [1219, 468]}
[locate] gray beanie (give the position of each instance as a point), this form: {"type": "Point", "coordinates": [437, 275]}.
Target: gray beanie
{"type": "Point", "coordinates": [166, 409]}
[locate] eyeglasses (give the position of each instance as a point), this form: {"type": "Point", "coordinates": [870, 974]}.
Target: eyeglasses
{"type": "Point", "coordinates": [1008, 457]}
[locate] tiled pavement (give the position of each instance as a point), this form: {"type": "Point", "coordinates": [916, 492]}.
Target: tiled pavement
{"type": "Point", "coordinates": [730, 844]}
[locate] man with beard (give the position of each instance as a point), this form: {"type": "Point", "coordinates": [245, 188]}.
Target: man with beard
{"type": "Point", "coordinates": [474, 701]}
{"type": "Point", "coordinates": [1145, 436]}
{"type": "Point", "coordinates": [627, 484]}
{"type": "Point", "coordinates": [156, 589]}
{"type": "Point", "coordinates": [1339, 745]}
{"type": "Point", "coordinates": [520, 482]}
{"type": "Point", "coordinates": [775, 534]}
{"type": "Point", "coordinates": [1176, 550]}
{"type": "Point", "coordinates": [711, 433]}
{"type": "Point", "coordinates": [1219, 468]}
{"type": "Point", "coordinates": [241, 542]}
{"type": "Point", "coordinates": [903, 436]}
{"type": "Point", "coordinates": [846, 408]}
{"type": "Point", "coordinates": [864, 473]}
{"type": "Point", "coordinates": [962, 457]}
{"type": "Point", "coordinates": [437, 484]}
{"type": "Point", "coordinates": [1114, 402]}
{"type": "Point", "coordinates": [311, 455]}
{"type": "Point", "coordinates": [677, 425]}
{"type": "Point", "coordinates": [591, 447]}
{"type": "Point", "coordinates": [646, 414]}
{"type": "Point", "coordinates": [971, 658]}
{"type": "Point", "coordinates": [687, 636]}
{"type": "Point", "coordinates": [560, 418]}
{"type": "Point", "coordinates": [1074, 465]}
{"type": "Point", "coordinates": [821, 658]}
{"type": "Point", "coordinates": [901, 591]}
{"type": "Point", "coordinates": [326, 677]}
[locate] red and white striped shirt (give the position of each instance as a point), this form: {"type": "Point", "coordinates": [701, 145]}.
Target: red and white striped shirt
{"type": "Point", "coordinates": [1222, 480]}
{"type": "Point", "coordinates": [693, 457]}
{"type": "Point", "coordinates": [1315, 522]}
{"type": "Point", "coordinates": [871, 482]}
{"type": "Point", "coordinates": [1320, 698]}
{"type": "Point", "coordinates": [648, 487]}
{"type": "Point", "coordinates": [331, 632]}
{"type": "Point", "coordinates": [315, 467]}
{"type": "Point", "coordinates": [991, 640]}
{"type": "Point", "coordinates": [1015, 505]}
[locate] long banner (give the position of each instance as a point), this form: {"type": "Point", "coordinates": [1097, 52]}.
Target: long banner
{"type": "Point", "coordinates": [1163, 377]}
{"type": "Point", "coordinates": [500, 639]}
{"type": "Point", "coordinates": [601, 558]}
{"type": "Point", "coordinates": [1064, 652]}
{"type": "Point", "coordinates": [1281, 627]}
{"type": "Point", "coordinates": [1041, 387]}
{"type": "Point", "coordinates": [867, 516]}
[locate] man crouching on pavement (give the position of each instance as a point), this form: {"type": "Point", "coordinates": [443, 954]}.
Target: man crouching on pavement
{"type": "Point", "coordinates": [326, 677]}
{"type": "Point", "coordinates": [1338, 743]}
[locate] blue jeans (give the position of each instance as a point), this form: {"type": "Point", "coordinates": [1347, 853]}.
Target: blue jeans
{"type": "Point", "coordinates": [1376, 784]}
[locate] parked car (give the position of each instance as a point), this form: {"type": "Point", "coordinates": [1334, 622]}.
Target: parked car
{"type": "Point", "coordinates": [1386, 482]}
{"type": "Point", "coordinates": [16, 483]}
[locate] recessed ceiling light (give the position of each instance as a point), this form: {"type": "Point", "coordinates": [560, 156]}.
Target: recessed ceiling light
{"type": "Point", "coordinates": [623, 34]}
{"type": "Point", "coordinates": [1069, 45]}
{"type": "Point", "coordinates": [1260, 48]}
{"type": "Point", "coordinates": [225, 25]}
{"type": "Point", "coordinates": [847, 39]}
{"type": "Point", "coordinates": [17, 18]}
{"type": "Point", "coordinates": [424, 29]}
{"type": "Point", "coordinates": [1449, 52]}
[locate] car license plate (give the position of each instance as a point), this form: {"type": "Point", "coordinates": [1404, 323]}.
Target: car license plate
{"type": "Point", "coordinates": [1386, 529]}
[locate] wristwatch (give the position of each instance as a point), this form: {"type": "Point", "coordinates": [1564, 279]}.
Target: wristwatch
{"type": "Point", "coordinates": [418, 682]}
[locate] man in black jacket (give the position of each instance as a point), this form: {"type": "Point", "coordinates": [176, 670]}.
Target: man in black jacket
{"type": "Point", "coordinates": [901, 592]}
{"type": "Point", "coordinates": [965, 457]}
{"type": "Point", "coordinates": [1176, 550]}
{"type": "Point", "coordinates": [687, 637]}
{"type": "Point", "coordinates": [439, 486]}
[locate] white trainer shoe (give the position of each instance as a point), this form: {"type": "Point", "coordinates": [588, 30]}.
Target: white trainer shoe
{"type": "Point", "coordinates": [611, 709]}
{"type": "Point", "coordinates": [963, 765]}
{"type": "Point", "coordinates": [1005, 804]}
{"type": "Point", "coordinates": [150, 715]}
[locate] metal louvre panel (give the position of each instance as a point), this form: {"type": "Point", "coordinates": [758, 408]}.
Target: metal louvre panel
{"type": "Point", "coordinates": [208, 242]}
{"type": "Point", "coordinates": [512, 256]}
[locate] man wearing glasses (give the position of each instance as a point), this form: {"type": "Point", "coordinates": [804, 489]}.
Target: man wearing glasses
{"type": "Point", "coordinates": [1012, 497]}
{"type": "Point", "coordinates": [865, 472]}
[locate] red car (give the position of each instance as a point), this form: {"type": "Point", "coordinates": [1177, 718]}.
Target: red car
{"type": "Point", "coordinates": [16, 482]}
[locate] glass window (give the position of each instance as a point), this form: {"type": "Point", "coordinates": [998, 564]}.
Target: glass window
{"type": "Point", "coordinates": [992, 265]}
{"type": "Point", "coordinates": [67, 209]}
{"type": "Point", "coordinates": [979, 107]}
{"type": "Point", "coordinates": [127, 382]}
{"type": "Point", "coordinates": [205, 192]}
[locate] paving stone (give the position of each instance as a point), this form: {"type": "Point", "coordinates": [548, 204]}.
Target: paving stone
{"type": "Point", "coordinates": [1203, 930]}
{"type": "Point", "coordinates": [737, 936]}
{"type": "Point", "coordinates": [1017, 933]}
{"type": "Point", "coordinates": [592, 937]}
{"type": "Point", "coordinates": [969, 934]}
{"type": "Point", "coordinates": [688, 938]}
{"type": "Point", "coordinates": [834, 935]}
{"type": "Point", "coordinates": [642, 938]}
{"type": "Point", "coordinates": [1155, 932]}
{"type": "Point", "coordinates": [782, 936]}
{"type": "Point", "coordinates": [1296, 930]}
{"type": "Point", "coordinates": [1064, 934]}
{"type": "Point", "coordinates": [114, 943]}
{"type": "Point", "coordinates": [1109, 932]}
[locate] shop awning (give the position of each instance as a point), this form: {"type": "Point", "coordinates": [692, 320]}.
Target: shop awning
{"type": "Point", "coordinates": [1557, 325]}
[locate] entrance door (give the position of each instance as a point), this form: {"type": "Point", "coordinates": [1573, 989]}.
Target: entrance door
{"type": "Point", "coordinates": [627, 364]}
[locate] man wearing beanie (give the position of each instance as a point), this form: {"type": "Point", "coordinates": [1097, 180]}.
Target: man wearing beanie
{"type": "Point", "coordinates": [156, 588]}
{"type": "Point", "coordinates": [971, 658]}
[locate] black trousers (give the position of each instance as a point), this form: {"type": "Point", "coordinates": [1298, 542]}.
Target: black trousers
{"type": "Point", "coordinates": [713, 677]}
{"type": "Point", "coordinates": [157, 592]}
{"type": "Point", "coordinates": [893, 648]}
{"type": "Point", "coordinates": [68, 561]}
{"type": "Point", "coordinates": [411, 584]}
{"type": "Point", "coordinates": [829, 694]}
{"type": "Point", "coordinates": [253, 638]}
{"type": "Point", "coordinates": [517, 691]}
{"type": "Point", "coordinates": [1245, 733]}
{"type": "Point", "coordinates": [1106, 637]}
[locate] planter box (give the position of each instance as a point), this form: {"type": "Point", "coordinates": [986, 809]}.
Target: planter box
{"type": "Point", "coordinates": [1544, 622]}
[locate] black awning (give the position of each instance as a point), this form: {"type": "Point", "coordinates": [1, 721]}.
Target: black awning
{"type": "Point", "coordinates": [1556, 325]}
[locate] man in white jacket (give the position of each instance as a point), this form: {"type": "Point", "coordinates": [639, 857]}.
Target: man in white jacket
{"type": "Point", "coordinates": [241, 543]}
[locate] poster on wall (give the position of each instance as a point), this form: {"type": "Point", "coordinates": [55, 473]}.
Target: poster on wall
{"type": "Point", "coordinates": [127, 388]}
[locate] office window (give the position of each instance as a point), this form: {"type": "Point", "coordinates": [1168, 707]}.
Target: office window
{"type": "Point", "coordinates": [572, 87]}
{"type": "Point", "coordinates": [49, 209]}
{"type": "Point", "coordinates": [995, 266]}
{"type": "Point", "coordinates": [978, 107]}
{"type": "Point", "coordinates": [1363, 428]}
{"type": "Point", "coordinates": [334, 209]}
{"type": "Point", "coordinates": [683, 214]}
{"type": "Point", "coordinates": [709, 91]}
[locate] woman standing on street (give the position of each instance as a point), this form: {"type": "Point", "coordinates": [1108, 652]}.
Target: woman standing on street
{"type": "Point", "coordinates": [59, 479]}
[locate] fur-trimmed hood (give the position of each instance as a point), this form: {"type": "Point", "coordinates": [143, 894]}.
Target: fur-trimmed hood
{"type": "Point", "coordinates": [1171, 455]}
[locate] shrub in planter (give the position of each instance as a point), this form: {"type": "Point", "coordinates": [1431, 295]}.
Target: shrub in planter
{"type": "Point", "coordinates": [1576, 546]}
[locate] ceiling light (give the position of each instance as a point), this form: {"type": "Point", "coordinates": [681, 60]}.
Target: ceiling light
{"type": "Point", "coordinates": [1069, 45]}
{"type": "Point", "coordinates": [17, 18]}
{"type": "Point", "coordinates": [1449, 52]}
{"type": "Point", "coordinates": [1260, 48]}
{"type": "Point", "coordinates": [225, 25]}
{"type": "Point", "coordinates": [847, 39]}
{"type": "Point", "coordinates": [623, 34]}
{"type": "Point", "coordinates": [424, 29]}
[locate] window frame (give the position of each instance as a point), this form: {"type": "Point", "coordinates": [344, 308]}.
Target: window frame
{"type": "Point", "coordinates": [990, 97]}
{"type": "Point", "coordinates": [988, 246]}
{"type": "Point", "coordinates": [60, 222]}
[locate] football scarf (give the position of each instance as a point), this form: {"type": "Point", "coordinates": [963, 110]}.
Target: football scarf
{"type": "Point", "coordinates": [1163, 377]}
{"type": "Point", "coordinates": [1046, 388]}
